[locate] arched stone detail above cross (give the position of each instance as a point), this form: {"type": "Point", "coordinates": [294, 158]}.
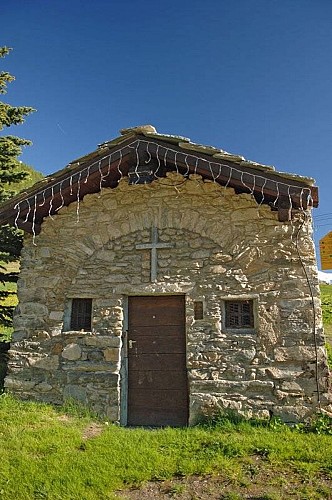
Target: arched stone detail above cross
{"type": "Point", "coordinates": [154, 246]}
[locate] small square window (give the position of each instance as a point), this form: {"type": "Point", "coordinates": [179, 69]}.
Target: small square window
{"type": "Point", "coordinates": [81, 314]}
{"type": "Point", "coordinates": [239, 314]}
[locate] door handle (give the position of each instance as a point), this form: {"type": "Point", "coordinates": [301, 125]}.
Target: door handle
{"type": "Point", "coordinates": [130, 343]}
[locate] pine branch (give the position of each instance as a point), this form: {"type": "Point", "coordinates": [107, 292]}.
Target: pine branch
{"type": "Point", "coordinates": [10, 175]}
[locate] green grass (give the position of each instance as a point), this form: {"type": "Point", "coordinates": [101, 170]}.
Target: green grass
{"type": "Point", "coordinates": [48, 454]}
{"type": "Point", "coordinates": [32, 177]}
{"type": "Point", "coordinates": [11, 300]}
{"type": "Point", "coordinates": [329, 354]}
{"type": "Point", "coordinates": [326, 298]}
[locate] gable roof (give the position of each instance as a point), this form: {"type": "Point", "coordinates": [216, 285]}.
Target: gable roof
{"type": "Point", "coordinates": [144, 154]}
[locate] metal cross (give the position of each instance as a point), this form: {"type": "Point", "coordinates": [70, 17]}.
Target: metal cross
{"type": "Point", "coordinates": [153, 246]}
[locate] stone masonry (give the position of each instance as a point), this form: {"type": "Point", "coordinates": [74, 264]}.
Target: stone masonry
{"type": "Point", "coordinates": [225, 246]}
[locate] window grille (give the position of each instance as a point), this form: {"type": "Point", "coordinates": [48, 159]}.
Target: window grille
{"type": "Point", "coordinates": [81, 313]}
{"type": "Point", "coordinates": [239, 314]}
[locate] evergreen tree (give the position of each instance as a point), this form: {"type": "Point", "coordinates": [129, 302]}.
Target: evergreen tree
{"type": "Point", "coordinates": [10, 174]}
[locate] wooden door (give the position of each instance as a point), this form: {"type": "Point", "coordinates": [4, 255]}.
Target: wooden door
{"type": "Point", "coordinates": [157, 375]}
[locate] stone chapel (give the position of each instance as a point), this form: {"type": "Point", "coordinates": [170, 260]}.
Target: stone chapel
{"type": "Point", "coordinates": [163, 280]}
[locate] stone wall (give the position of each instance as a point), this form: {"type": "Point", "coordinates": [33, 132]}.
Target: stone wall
{"type": "Point", "coordinates": [225, 246]}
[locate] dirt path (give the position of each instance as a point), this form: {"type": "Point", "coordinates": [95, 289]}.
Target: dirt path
{"type": "Point", "coordinates": [256, 484]}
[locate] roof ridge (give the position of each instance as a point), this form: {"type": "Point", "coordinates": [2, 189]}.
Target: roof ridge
{"type": "Point", "coordinates": [185, 143]}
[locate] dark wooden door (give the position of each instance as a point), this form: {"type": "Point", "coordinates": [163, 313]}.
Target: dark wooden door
{"type": "Point", "coordinates": [157, 375]}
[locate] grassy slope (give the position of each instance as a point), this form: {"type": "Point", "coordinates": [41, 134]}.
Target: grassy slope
{"type": "Point", "coordinates": [11, 300]}
{"type": "Point", "coordinates": [326, 297]}
{"type": "Point", "coordinates": [32, 177]}
{"type": "Point", "coordinates": [47, 454]}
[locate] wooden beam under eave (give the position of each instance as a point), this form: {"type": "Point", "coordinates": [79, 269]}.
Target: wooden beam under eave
{"type": "Point", "coordinates": [65, 197]}
{"type": "Point", "coordinates": [263, 189]}
{"type": "Point", "coordinates": [268, 189]}
{"type": "Point", "coordinates": [314, 196]}
{"type": "Point", "coordinates": [243, 177]}
{"type": "Point", "coordinates": [284, 209]}
{"type": "Point", "coordinates": [28, 227]}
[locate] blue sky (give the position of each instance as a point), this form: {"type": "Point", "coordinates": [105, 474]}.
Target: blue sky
{"type": "Point", "coordinates": [253, 77]}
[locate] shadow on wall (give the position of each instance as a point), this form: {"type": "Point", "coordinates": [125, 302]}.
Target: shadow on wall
{"type": "Point", "coordinates": [4, 347]}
